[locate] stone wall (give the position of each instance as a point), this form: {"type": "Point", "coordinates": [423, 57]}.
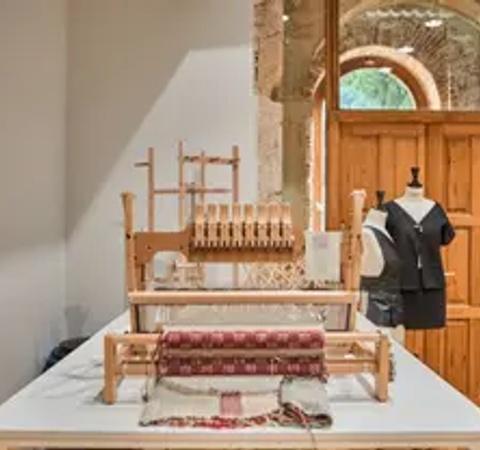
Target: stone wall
{"type": "Point", "coordinates": [268, 77]}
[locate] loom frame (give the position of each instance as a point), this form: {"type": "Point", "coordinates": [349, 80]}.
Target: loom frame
{"type": "Point", "coordinates": [131, 354]}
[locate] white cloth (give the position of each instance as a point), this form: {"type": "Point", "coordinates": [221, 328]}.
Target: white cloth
{"type": "Point", "coordinates": [259, 395]}
{"type": "Point", "coordinates": [307, 394]}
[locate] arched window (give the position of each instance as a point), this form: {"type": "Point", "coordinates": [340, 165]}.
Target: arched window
{"type": "Point", "coordinates": [374, 88]}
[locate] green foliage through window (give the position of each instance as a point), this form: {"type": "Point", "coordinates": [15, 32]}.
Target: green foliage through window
{"type": "Point", "coordinates": [374, 89]}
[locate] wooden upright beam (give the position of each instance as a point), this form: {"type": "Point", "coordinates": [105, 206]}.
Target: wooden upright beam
{"type": "Point", "coordinates": [235, 199]}
{"type": "Point", "coordinates": [332, 66]}
{"type": "Point", "coordinates": [181, 186]}
{"type": "Point", "coordinates": [127, 202]}
{"type": "Point", "coordinates": [332, 103]}
{"type": "Point", "coordinates": [235, 174]}
{"type": "Point", "coordinates": [151, 189]}
{"type": "Point", "coordinates": [151, 202]}
{"type": "Point", "coordinates": [203, 175]}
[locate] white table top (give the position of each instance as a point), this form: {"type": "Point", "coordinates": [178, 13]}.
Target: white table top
{"type": "Point", "coordinates": [62, 408]}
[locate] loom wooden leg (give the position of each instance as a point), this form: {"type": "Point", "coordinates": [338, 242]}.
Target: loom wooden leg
{"type": "Point", "coordinates": [110, 365]}
{"type": "Point", "coordinates": [383, 369]}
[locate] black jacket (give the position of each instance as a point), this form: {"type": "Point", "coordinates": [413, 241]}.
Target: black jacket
{"type": "Point", "coordinates": [420, 242]}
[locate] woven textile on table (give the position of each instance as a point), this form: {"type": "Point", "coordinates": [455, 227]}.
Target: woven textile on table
{"type": "Point", "coordinates": [238, 402]}
{"type": "Point", "coordinates": [197, 361]}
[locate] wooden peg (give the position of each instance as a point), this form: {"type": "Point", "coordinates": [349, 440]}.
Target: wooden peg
{"type": "Point", "coordinates": [224, 226]}
{"type": "Point", "coordinates": [199, 226]}
{"type": "Point", "coordinates": [262, 219]}
{"type": "Point", "coordinates": [109, 370]}
{"type": "Point", "coordinates": [249, 221]}
{"type": "Point", "coordinates": [237, 236]}
{"type": "Point", "coordinates": [382, 374]}
{"type": "Point", "coordinates": [274, 221]}
{"type": "Point", "coordinates": [286, 225]}
{"type": "Point", "coordinates": [212, 225]}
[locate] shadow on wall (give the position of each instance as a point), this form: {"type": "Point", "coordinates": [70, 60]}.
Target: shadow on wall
{"type": "Point", "coordinates": [122, 55]}
{"type": "Point", "coordinates": [141, 72]}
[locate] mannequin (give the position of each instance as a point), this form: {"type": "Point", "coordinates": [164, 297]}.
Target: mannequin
{"type": "Point", "coordinates": [420, 227]}
{"type": "Point", "coordinates": [380, 270]}
{"type": "Point", "coordinates": [413, 200]}
{"type": "Point", "coordinates": [372, 257]}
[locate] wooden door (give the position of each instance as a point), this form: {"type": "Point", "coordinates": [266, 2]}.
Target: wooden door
{"type": "Point", "coordinates": [372, 152]}
{"type": "Point", "coordinates": [453, 178]}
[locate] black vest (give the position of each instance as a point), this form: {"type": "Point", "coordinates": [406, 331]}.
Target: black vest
{"type": "Point", "coordinates": [385, 306]}
{"type": "Point", "coordinates": [420, 242]}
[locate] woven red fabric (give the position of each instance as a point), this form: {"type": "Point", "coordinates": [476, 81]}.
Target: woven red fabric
{"type": "Point", "coordinates": [239, 339]}
{"type": "Point", "coordinates": [276, 339]}
{"type": "Point", "coordinates": [241, 366]}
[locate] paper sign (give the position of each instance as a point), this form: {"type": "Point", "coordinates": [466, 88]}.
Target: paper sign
{"type": "Point", "coordinates": [323, 256]}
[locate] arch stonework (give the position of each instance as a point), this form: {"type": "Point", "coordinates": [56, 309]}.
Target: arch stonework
{"type": "Point", "coordinates": [350, 9]}
{"type": "Point", "coordinates": [411, 71]}
{"type": "Point", "coordinates": [469, 9]}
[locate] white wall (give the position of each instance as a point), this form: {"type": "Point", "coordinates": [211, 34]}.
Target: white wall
{"type": "Point", "coordinates": [32, 146]}
{"type": "Point", "coordinates": [146, 73]}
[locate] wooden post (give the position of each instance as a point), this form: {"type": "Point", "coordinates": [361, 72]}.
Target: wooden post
{"type": "Point", "coordinates": [382, 375]}
{"type": "Point", "coordinates": [332, 73]}
{"type": "Point", "coordinates": [151, 189]}
{"type": "Point", "coordinates": [181, 186]}
{"type": "Point", "coordinates": [356, 238]}
{"type": "Point", "coordinates": [127, 201]}
{"type": "Point", "coordinates": [151, 205]}
{"type": "Point", "coordinates": [203, 176]}
{"type": "Point", "coordinates": [110, 370]}
{"type": "Point", "coordinates": [332, 69]}
{"type": "Point", "coordinates": [235, 174]}
{"type": "Point", "coordinates": [235, 199]}
{"type": "Point", "coordinates": [132, 272]}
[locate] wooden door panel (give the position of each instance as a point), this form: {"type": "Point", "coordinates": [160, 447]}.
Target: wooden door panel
{"type": "Point", "coordinates": [415, 342]}
{"type": "Point", "coordinates": [358, 170]}
{"type": "Point", "coordinates": [458, 156]}
{"type": "Point", "coordinates": [456, 256]}
{"type": "Point", "coordinates": [474, 257]}
{"type": "Point", "coordinates": [474, 362]}
{"type": "Point", "coordinates": [434, 355]}
{"type": "Point", "coordinates": [371, 158]}
{"type": "Point", "coordinates": [456, 354]}
{"type": "Point", "coordinates": [408, 153]}
{"type": "Point", "coordinates": [460, 151]}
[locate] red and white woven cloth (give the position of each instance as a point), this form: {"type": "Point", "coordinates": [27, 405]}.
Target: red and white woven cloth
{"type": "Point", "coordinates": [244, 338]}
{"type": "Point", "coordinates": [197, 361]}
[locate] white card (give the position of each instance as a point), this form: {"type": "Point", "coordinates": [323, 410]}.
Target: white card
{"type": "Point", "coordinates": [323, 256]}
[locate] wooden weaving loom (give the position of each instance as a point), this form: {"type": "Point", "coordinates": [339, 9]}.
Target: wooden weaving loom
{"type": "Point", "coordinates": [268, 236]}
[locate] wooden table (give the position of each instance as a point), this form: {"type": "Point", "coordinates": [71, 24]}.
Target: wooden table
{"type": "Point", "coordinates": [62, 408]}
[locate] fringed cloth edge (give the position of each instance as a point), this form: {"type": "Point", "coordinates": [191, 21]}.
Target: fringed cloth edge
{"type": "Point", "coordinates": [288, 416]}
